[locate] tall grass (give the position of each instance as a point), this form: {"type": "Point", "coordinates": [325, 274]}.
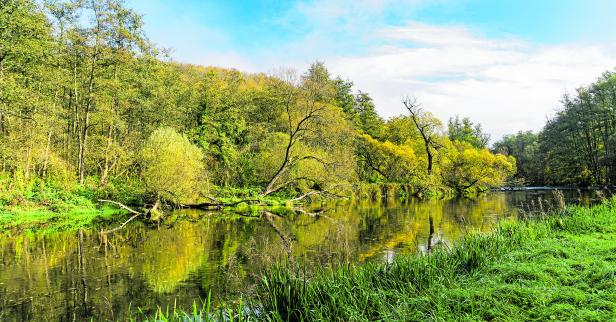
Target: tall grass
{"type": "Point", "coordinates": [412, 287]}
{"type": "Point", "coordinates": [538, 268]}
{"type": "Point", "coordinates": [204, 312]}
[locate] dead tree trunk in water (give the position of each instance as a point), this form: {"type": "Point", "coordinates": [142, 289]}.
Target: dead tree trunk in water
{"type": "Point", "coordinates": [431, 236]}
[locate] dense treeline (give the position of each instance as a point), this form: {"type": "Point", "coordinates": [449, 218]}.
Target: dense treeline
{"type": "Point", "coordinates": [577, 146]}
{"type": "Point", "coordinates": [89, 105]}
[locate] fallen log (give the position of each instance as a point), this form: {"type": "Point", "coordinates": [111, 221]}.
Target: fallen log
{"type": "Point", "coordinates": [125, 207]}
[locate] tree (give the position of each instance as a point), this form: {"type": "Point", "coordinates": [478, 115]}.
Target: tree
{"type": "Point", "coordinates": [391, 162]}
{"type": "Point", "coordinates": [301, 111]}
{"type": "Point", "coordinates": [344, 98]}
{"type": "Point", "coordinates": [171, 166]}
{"type": "Point", "coordinates": [316, 131]}
{"type": "Point", "coordinates": [465, 131]}
{"type": "Point", "coordinates": [577, 146]}
{"type": "Point", "coordinates": [523, 146]}
{"type": "Point", "coordinates": [427, 126]}
{"type": "Point", "coordinates": [467, 167]}
{"type": "Point", "coordinates": [221, 128]}
{"type": "Point", "coordinates": [401, 130]}
{"type": "Point", "coordinates": [369, 120]}
{"type": "Point", "coordinates": [27, 109]}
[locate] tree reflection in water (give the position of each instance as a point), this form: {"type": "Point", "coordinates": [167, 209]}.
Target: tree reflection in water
{"type": "Point", "coordinates": [76, 275]}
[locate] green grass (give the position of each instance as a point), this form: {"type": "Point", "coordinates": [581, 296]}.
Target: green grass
{"type": "Point", "coordinates": [559, 268]}
{"type": "Point", "coordinates": [47, 206]}
{"type": "Point", "coordinates": [35, 218]}
{"type": "Point", "coordinates": [201, 313]}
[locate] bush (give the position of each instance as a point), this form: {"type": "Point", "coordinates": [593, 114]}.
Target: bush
{"type": "Point", "coordinates": [172, 167]}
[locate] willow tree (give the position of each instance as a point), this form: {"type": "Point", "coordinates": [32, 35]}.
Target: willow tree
{"type": "Point", "coordinates": [389, 161]}
{"type": "Point", "coordinates": [171, 167]}
{"type": "Point", "coordinates": [465, 167]}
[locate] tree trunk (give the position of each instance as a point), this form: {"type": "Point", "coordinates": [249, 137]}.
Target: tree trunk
{"type": "Point", "coordinates": [83, 146]}
{"type": "Point", "coordinates": [47, 148]}
{"type": "Point", "coordinates": [283, 167]}
{"type": "Point", "coordinates": [1, 76]}
{"type": "Point", "coordinates": [105, 172]}
{"type": "Point", "coordinates": [429, 159]}
{"type": "Point", "coordinates": [86, 120]}
{"type": "Point", "coordinates": [27, 169]}
{"type": "Point", "coordinates": [1, 61]}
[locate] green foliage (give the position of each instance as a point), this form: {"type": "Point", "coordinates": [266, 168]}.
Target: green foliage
{"type": "Point", "coordinates": [203, 313]}
{"type": "Point", "coordinates": [466, 167]}
{"type": "Point", "coordinates": [171, 166]}
{"type": "Point", "coordinates": [386, 161]}
{"type": "Point", "coordinates": [369, 121]}
{"type": "Point", "coordinates": [86, 101]}
{"type": "Point", "coordinates": [465, 131]}
{"type": "Point", "coordinates": [558, 268]}
{"type": "Point", "coordinates": [523, 146]}
{"type": "Point", "coordinates": [576, 147]}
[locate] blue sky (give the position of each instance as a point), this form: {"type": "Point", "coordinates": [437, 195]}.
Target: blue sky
{"type": "Point", "coordinates": [474, 58]}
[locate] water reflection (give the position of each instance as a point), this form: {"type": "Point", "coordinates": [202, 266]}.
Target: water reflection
{"type": "Point", "coordinates": [76, 275]}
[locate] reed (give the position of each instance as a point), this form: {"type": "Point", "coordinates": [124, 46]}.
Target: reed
{"type": "Point", "coordinates": [556, 267]}
{"type": "Point", "coordinates": [514, 272]}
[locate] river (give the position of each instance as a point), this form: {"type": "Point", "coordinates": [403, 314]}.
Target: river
{"type": "Point", "coordinates": [78, 275]}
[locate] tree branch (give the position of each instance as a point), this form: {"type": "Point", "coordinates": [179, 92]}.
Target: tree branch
{"type": "Point", "coordinates": [121, 205]}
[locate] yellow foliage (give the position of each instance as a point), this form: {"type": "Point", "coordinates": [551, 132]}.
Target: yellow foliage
{"type": "Point", "coordinates": [172, 165]}
{"type": "Point", "coordinates": [396, 163]}
{"type": "Point", "coordinates": [466, 167]}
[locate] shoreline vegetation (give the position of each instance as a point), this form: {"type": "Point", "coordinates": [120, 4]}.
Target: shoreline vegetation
{"type": "Point", "coordinates": [557, 266]}
{"type": "Point", "coordinates": [84, 209]}
{"type": "Point", "coordinates": [90, 109]}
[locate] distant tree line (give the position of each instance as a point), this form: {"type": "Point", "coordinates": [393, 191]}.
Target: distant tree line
{"type": "Point", "coordinates": [577, 147]}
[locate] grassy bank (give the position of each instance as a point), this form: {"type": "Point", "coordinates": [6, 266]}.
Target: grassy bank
{"type": "Point", "coordinates": [41, 206]}
{"type": "Point", "coordinates": [563, 267]}
{"type": "Point", "coordinates": [31, 218]}
{"type": "Point", "coordinates": [557, 268]}
{"type": "Point", "coordinates": [46, 207]}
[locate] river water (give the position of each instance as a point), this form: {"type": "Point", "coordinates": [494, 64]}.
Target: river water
{"type": "Point", "coordinates": [78, 275]}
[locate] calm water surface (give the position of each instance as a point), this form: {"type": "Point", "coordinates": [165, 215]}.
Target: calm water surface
{"type": "Point", "coordinates": [78, 275]}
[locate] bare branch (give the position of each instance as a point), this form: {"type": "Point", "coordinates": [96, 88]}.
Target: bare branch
{"type": "Point", "coordinates": [121, 205]}
{"type": "Point", "coordinates": [122, 225]}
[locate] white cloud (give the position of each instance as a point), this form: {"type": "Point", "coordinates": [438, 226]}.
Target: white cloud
{"type": "Point", "coordinates": [506, 84]}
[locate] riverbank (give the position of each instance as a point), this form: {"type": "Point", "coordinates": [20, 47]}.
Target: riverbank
{"type": "Point", "coordinates": [562, 267]}
{"type": "Point", "coordinates": [53, 209]}
{"type": "Point", "coordinates": [33, 218]}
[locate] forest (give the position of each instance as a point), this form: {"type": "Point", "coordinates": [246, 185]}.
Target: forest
{"type": "Point", "coordinates": [576, 147]}
{"type": "Point", "coordinates": [91, 109]}
{"type": "Point", "coordinates": [281, 196]}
